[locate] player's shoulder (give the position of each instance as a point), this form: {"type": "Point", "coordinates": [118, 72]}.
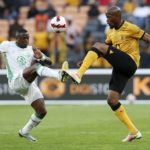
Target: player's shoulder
{"type": "Point", "coordinates": [5, 42]}
{"type": "Point", "coordinates": [128, 24]}
{"type": "Point", "coordinates": [29, 47]}
{"type": "Point", "coordinates": [8, 43]}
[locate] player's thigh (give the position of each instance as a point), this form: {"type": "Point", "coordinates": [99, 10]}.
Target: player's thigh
{"type": "Point", "coordinates": [121, 61]}
{"type": "Point", "coordinates": [118, 81]}
{"type": "Point", "coordinates": [19, 85]}
{"type": "Point", "coordinates": [33, 94]}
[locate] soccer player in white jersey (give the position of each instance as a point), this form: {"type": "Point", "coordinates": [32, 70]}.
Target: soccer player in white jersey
{"type": "Point", "coordinates": [23, 66]}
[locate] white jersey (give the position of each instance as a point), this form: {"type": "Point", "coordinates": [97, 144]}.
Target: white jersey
{"type": "Point", "coordinates": [16, 58]}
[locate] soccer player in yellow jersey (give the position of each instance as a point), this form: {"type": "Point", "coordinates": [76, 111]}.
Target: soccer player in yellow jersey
{"type": "Point", "coordinates": [121, 50]}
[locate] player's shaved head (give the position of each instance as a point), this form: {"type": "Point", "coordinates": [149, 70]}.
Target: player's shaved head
{"type": "Point", "coordinates": [114, 10]}
{"type": "Point", "coordinates": [113, 15]}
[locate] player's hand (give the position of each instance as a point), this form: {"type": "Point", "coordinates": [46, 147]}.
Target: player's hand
{"type": "Point", "coordinates": [37, 53]}
{"type": "Point", "coordinates": [79, 63]}
{"type": "Point", "coordinates": [47, 61]}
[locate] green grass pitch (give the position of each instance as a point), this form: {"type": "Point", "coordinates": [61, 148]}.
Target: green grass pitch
{"type": "Point", "coordinates": [78, 127]}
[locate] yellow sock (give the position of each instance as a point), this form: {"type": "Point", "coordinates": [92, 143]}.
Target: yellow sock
{"type": "Point", "coordinates": [122, 115]}
{"type": "Point", "coordinates": [89, 59]}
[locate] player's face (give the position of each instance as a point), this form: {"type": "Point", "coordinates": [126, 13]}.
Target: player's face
{"type": "Point", "coordinates": [112, 20]}
{"type": "Point", "coordinates": [23, 40]}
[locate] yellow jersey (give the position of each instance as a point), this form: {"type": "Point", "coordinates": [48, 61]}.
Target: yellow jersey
{"type": "Point", "coordinates": [41, 40]}
{"type": "Point", "coordinates": [126, 39]}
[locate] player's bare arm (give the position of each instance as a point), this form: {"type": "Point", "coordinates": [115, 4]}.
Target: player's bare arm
{"type": "Point", "coordinates": [41, 57]}
{"type": "Point", "coordinates": [37, 53]}
{"type": "Point", "coordinates": [146, 37]}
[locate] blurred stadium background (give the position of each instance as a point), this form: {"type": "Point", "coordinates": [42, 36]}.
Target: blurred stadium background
{"type": "Point", "coordinates": [86, 24]}
{"type": "Point", "coordinates": [74, 127]}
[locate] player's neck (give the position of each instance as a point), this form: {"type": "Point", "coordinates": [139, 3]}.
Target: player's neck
{"type": "Point", "coordinates": [20, 45]}
{"type": "Point", "coordinates": [120, 24]}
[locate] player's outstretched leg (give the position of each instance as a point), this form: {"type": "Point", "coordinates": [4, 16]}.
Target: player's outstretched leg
{"type": "Point", "coordinates": [87, 62]}
{"type": "Point", "coordinates": [48, 72]}
{"type": "Point", "coordinates": [74, 77]}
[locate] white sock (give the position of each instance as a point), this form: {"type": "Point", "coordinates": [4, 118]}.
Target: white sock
{"type": "Point", "coordinates": [33, 121]}
{"type": "Point", "coordinates": [48, 72]}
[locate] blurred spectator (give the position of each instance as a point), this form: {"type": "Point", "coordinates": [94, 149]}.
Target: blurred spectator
{"type": "Point", "coordinates": [57, 48]}
{"type": "Point", "coordinates": [41, 39]}
{"type": "Point", "coordinates": [84, 2]}
{"type": "Point", "coordinates": [42, 16]}
{"type": "Point", "coordinates": [113, 3]}
{"type": "Point", "coordinates": [129, 6]}
{"type": "Point", "coordinates": [145, 56]}
{"type": "Point", "coordinates": [94, 25]}
{"type": "Point", "coordinates": [88, 41]}
{"type": "Point", "coordinates": [41, 11]}
{"type": "Point", "coordinates": [51, 11]}
{"type": "Point", "coordinates": [72, 3]}
{"type": "Point", "coordinates": [14, 26]}
{"type": "Point", "coordinates": [71, 32]}
{"type": "Point", "coordinates": [141, 13]}
{"type": "Point", "coordinates": [103, 2]}
{"type": "Point", "coordinates": [145, 60]}
{"type": "Point", "coordinates": [44, 11]}
{"type": "Point", "coordinates": [147, 2]}
{"type": "Point", "coordinates": [2, 9]}
{"type": "Point", "coordinates": [41, 19]}
{"type": "Point", "coordinates": [73, 53]}
{"type": "Point", "coordinates": [103, 22]}
{"type": "Point", "coordinates": [12, 8]}
{"type": "Point", "coordinates": [93, 11]}
{"type": "Point", "coordinates": [148, 24]}
{"type": "Point", "coordinates": [25, 2]}
{"type": "Point", "coordinates": [32, 11]}
{"type": "Point", "coordinates": [42, 7]}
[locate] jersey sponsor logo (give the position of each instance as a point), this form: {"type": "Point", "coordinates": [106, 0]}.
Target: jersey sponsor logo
{"type": "Point", "coordinates": [111, 52]}
{"type": "Point", "coordinates": [21, 60]}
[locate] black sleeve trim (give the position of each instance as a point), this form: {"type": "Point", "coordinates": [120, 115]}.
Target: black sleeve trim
{"type": "Point", "coordinates": [142, 35]}
{"type": "Point", "coordinates": [99, 53]}
{"type": "Point", "coordinates": [108, 43]}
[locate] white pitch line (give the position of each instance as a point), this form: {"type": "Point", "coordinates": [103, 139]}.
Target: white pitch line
{"type": "Point", "coordinates": [70, 102]}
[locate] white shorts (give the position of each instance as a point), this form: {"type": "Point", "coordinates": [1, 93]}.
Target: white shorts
{"type": "Point", "coordinates": [29, 91]}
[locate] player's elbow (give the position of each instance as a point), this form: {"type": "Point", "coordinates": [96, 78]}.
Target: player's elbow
{"type": "Point", "coordinates": [97, 45]}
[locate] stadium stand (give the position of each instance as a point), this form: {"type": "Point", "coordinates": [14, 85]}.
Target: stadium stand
{"type": "Point", "coordinates": [27, 12]}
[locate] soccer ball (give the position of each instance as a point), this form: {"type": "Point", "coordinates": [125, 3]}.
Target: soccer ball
{"type": "Point", "coordinates": [131, 98]}
{"type": "Point", "coordinates": [58, 24]}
